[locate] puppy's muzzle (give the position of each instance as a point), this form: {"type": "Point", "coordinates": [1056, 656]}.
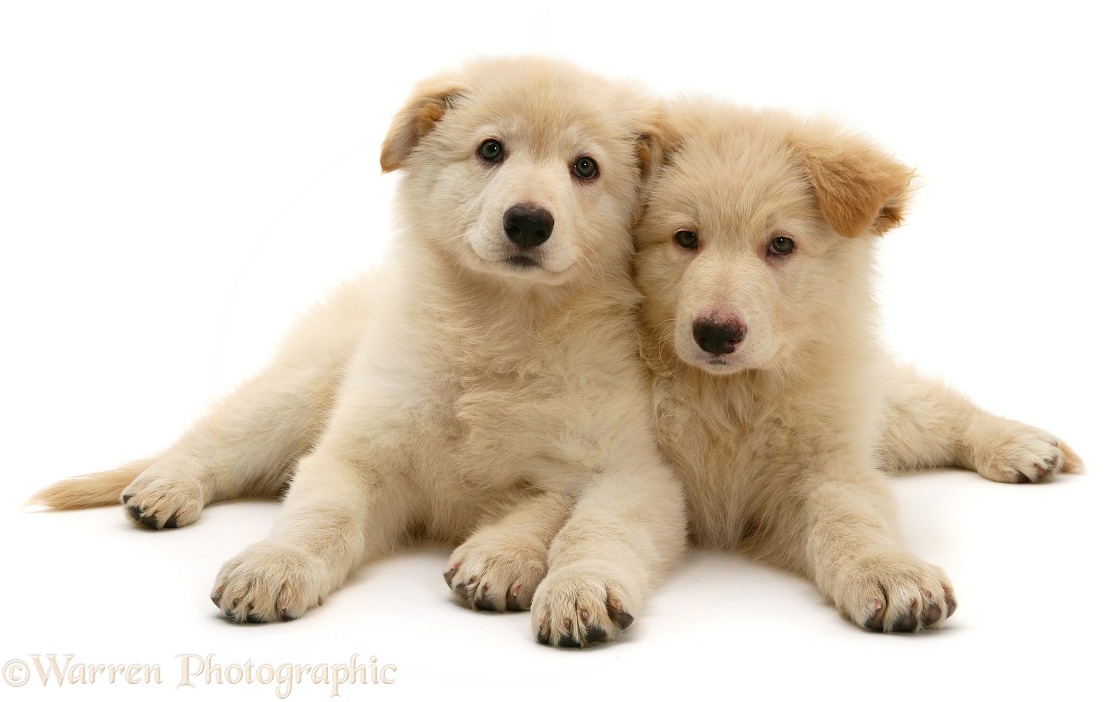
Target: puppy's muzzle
{"type": "Point", "coordinates": [718, 335]}
{"type": "Point", "coordinates": [528, 225]}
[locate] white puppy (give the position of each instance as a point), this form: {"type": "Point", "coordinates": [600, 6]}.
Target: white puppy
{"type": "Point", "coordinates": [773, 398]}
{"type": "Point", "coordinates": [486, 382]}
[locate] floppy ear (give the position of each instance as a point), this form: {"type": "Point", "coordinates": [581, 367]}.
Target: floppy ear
{"type": "Point", "coordinates": [426, 107]}
{"type": "Point", "coordinates": [860, 189]}
{"type": "Point", "coordinates": [657, 139]}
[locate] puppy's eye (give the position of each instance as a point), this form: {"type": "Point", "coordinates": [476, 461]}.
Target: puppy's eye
{"type": "Point", "coordinates": [780, 245]}
{"type": "Point", "coordinates": [491, 150]}
{"type": "Point", "coordinates": [585, 168]}
{"type": "Point", "coordinates": [686, 239]}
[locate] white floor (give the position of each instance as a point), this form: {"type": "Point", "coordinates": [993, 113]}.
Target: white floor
{"type": "Point", "coordinates": [176, 185]}
{"type": "Point", "coordinates": [1032, 565]}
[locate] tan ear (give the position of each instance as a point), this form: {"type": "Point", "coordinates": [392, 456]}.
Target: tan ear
{"type": "Point", "coordinates": [657, 139]}
{"type": "Point", "coordinates": [422, 111]}
{"type": "Point", "coordinates": [860, 189]}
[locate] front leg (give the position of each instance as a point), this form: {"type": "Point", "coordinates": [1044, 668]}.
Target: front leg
{"type": "Point", "coordinates": [499, 567]}
{"type": "Point", "coordinates": [855, 556]}
{"type": "Point", "coordinates": [351, 499]}
{"type": "Point", "coordinates": [336, 518]}
{"type": "Point", "coordinates": [627, 529]}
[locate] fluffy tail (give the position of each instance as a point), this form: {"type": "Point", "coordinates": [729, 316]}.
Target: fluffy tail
{"type": "Point", "coordinates": [92, 490]}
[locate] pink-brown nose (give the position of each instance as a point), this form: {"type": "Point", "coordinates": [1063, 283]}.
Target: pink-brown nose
{"type": "Point", "coordinates": [718, 335]}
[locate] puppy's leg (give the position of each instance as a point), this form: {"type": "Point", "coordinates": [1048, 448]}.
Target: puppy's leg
{"type": "Point", "coordinates": [337, 516]}
{"type": "Point", "coordinates": [626, 530]}
{"type": "Point", "coordinates": [927, 425]}
{"type": "Point", "coordinates": [499, 567]}
{"type": "Point", "coordinates": [245, 446]}
{"type": "Point", "coordinates": [350, 501]}
{"type": "Point", "coordinates": [842, 534]}
{"type": "Point", "coordinates": [249, 442]}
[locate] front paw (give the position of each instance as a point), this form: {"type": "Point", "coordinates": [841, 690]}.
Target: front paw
{"type": "Point", "coordinates": [894, 592]}
{"type": "Point", "coordinates": [577, 606]}
{"type": "Point", "coordinates": [496, 573]}
{"type": "Point", "coordinates": [163, 499]}
{"type": "Point", "coordinates": [268, 582]}
{"type": "Point", "coordinates": [1011, 452]}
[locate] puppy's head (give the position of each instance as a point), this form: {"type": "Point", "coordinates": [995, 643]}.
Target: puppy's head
{"type": "Point", "coordinates": [754, 251]}
{"type": "Point", "coordinates": [525, 169]}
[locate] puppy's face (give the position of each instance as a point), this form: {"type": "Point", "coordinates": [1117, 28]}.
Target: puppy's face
{"type": "Point", "coordinates": [523, 169]}
{"type": "Point", "coordinates": [756, 240]}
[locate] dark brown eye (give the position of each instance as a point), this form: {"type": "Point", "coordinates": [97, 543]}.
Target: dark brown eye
{"type": "Point", "coordinates": [686, 239]}
{"type": "Point", "coordinates": [491, 150]}
{"type": "Point", "coordinates": [780, 245]}
{"type": "Point", "coordinates": [585, 168]}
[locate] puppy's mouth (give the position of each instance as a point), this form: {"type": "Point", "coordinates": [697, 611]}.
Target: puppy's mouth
{"type": "Point", "coordinates": [715, 365]}
{"type": "Point", "coordinates": [535, 263]}
{"type": "Point", "coordinates": [753, 358]}
{"type": "Point", "coordinates": [522, 262]}
{"type": "Point", "coordinates": [526, 266]}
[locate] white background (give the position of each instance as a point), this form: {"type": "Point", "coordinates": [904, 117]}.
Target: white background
{"type": "Point", "coordinates": [178, 181]}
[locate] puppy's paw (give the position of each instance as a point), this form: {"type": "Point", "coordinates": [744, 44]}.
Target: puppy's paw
{"type": "Point", "coordinates": [894, 592]}
{"type": "Point", "coordinates": [576, 607]}
{"type": "Point", "coordinates": [269, 582]}
{"type": "Point", "coordinates": [497, 573]}
{"type": "Point", "coordinates": [1011, 452]}
{"type": "Point", "coordinates": [157, 500]}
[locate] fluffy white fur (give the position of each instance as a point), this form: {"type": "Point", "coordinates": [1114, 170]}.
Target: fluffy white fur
{"type": "Point", "coordinates": [778, 426]}
{"type": "Point", "coordinates": [473, 389]}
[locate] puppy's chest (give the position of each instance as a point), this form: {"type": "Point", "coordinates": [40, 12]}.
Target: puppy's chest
{"type": "Point", "coordinates": [503, 400]}
{"type": "Point", "coordinates": [520, 376]}
{"type": "Point", "coordinates": [722, 442]}
{"type": "Point", "coordinates": [545, 417]}
{"type": "Point", "coordinates": [729, 452]}
{"type": "Point", "coordinates": [531, 400]}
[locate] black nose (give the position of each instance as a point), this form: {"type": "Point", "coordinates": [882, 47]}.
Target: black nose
{"type": "Point", "coordinates": [528, 225]}
{"type": "Point", "coordinates": [718, 337]}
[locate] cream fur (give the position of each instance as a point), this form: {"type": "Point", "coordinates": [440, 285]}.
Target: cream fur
{"type": "Point", "coordinates": [778, 440]}
{"type": "Point", "coordinates": [458, 395]}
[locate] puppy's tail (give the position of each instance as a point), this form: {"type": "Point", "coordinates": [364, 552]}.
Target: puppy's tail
{"type": "Point", "coordinates": [1073, 462]}
{"type": "Point", "coordinates": [92, 490]}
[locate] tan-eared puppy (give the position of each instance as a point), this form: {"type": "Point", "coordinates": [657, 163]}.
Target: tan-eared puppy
{"type": "Point", "coordinates": [773, 399]}
{"type": "Point", "coordinates": [484, 386]}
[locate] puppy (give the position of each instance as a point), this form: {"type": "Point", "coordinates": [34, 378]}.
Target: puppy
{"type": "Point", "coordinates": [773, 400]}
{"type": "Point", "coordinates": [486, 383]}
